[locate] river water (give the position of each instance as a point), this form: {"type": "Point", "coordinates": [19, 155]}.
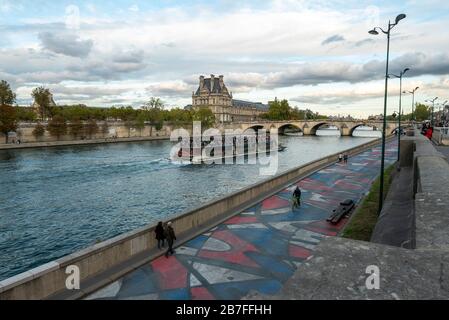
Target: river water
{"type": "Point", "coordinates": [55, 201]}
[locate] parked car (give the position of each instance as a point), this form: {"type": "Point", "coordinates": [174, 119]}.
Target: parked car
{"type": "Point", "coordinates": [343, 209]}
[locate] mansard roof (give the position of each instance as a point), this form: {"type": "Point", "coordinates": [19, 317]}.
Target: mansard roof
{"type": "Point", "coordinates": [249, 104]}
{"type": "Point", "coordinates": [217, 88]}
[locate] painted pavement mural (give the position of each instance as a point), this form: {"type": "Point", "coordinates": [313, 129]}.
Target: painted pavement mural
{"type": "Point", "coordinates": [260, 248]}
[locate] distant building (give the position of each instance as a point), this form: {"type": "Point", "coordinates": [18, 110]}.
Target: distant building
{"type": "Point", "coordinates": [213, 93]}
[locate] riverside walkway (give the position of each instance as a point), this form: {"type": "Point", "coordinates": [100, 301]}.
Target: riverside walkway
{"type": "Point", "coordinates": [258, 249]}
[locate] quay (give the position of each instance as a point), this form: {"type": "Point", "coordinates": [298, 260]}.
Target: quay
{"type": "Point", "coordinates": [251, 238]}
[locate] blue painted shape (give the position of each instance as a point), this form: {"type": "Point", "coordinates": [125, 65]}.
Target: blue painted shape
{"type": "Point", "coordinates": [198, 242]}
{"type": "Point", "coordinates": [277, 269]}
{"type": "Point", "coordinates": [266, 240]}
{"type": "Point", "coordinates": [177, 294]}
{"type": "Point", "coordinates": [137, 283]}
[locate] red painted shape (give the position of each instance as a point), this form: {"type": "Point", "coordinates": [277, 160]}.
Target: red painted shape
{"type": "Point", "coordinates": [274, 202]}
{"type": "Point", "coordinates": [171, 273]}
{"type": "Point", "coordinates": [347, 185]}
{"type": "Point", "coordinates": [298, 252]}
{"type": "Point", "coordinates": [201, 293]}
{"type": "Point", "coordinates": [241, 220]}
{"type": "Point", "coordinates": [237, 252]}
{"type": "Point", "coordinates": [314, 185]}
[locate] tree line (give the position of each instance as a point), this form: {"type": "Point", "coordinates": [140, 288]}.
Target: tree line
{"type": "Point", "coordinates": [81, 120]}
{"type": "Point", "coordinates": [281, 110]}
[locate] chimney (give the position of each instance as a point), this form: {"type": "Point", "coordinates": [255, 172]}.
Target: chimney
{"type": "Point", "coordinates": [221, 81]}
{"type": "Point", "coordinates": [201, 82]}
{"type": "Point", "coordinates": [212, 82]}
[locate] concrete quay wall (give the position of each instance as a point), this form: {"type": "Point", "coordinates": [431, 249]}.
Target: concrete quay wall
{"type": "Point", "coordinates": [49, 279]}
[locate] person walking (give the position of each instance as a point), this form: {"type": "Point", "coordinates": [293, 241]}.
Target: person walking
{"type": "Point", "coordinates": [345, 158]}
{"type": "Point", "coordinates": [160, 235]}
{"type": "Point", "coordinates": [340, 157]}
{"type": "Point", "coordinates": [171, 237]}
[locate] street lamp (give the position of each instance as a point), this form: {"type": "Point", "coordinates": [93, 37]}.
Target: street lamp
{"type": "Point", "coordinates": [433, 107]}
{"type": "Point", "coordinates": [441, 112]}
{"type": "Point", "coordinates": [413, 101]}
{"type": "Point", "coordinates": [400, 104]}
{"type": "Point", "coordinates": [382, 164]}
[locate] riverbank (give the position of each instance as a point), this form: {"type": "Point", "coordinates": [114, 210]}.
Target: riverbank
{"type": "Point", "coordinates": [77, 142]}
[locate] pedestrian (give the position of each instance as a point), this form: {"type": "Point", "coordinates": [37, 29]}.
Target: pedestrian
{"type": "Point", "coordinates": [340, 157]}
{"type": "Point", "coordinates": [171, 237]}
{"type": "Point", "coordinates": [345, 158]}
{"type": "Point", "coordinates": [160, 235]}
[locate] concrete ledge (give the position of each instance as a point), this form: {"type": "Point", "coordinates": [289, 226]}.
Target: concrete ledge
{"type": "Point", "coordinates": [337, 271]}
{"type": "Point", "coordinates": [48, 280]}
{"type": "Point", "coordinates": [32, 145]}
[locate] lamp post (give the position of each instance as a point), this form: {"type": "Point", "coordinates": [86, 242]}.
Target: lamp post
{"type": "Point", "coordinates": [400, 105]}
{"type": "Point", "coordinates": [441, 111]}
{"type": "Point", "coordinates": [382, 163]}
{"type": "Point", "coordinates": [413, 101]}
{"type": "Point", "coordinates": [433, 107]}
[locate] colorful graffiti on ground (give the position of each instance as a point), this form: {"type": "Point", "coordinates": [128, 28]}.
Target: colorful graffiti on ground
{"type": "Point", "coordinates": [260, 248]}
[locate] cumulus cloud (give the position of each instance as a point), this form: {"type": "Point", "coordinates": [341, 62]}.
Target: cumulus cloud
{"type": "Point", "coordinates": [68, 44]}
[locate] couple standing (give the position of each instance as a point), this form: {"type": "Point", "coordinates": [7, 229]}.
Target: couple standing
{"type": "Point", "coordinates": [343, 157]}
{"type": "Point", "coordinates": [165, 231]}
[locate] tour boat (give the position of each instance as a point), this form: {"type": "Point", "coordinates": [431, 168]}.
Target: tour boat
{"type": "Point", "coordinates": [231, 147]}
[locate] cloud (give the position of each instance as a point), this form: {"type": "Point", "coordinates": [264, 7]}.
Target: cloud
{"type": "Point", "coordinates": [314, 73]}
{"type": "Point", "coordinates": [334, 38]}
{"type": "Point", "coordinates": [6, 6]}
{"type": "Point", "coordinates": [170, 89]}
{"type": "Point", "coordinates": [363, 42]}
{"type": "Point", "coordinates": [67, 44]}
{"type": "Point", "coordinates": [332, 98]}
{"type": "Point", "coordinates": [134, 8]}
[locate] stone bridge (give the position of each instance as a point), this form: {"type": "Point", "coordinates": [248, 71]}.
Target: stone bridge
{"type": "Point", "coordinates": [310, 127]}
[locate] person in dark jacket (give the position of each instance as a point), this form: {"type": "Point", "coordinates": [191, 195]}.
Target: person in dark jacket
{"type": "Point", "coordinates": [171, 237]}
{"type": "Point", "coordinates": [160, 235]}
{"type": "Point", "coordinates": [297, 196]}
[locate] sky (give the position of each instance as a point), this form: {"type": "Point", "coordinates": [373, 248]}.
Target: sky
{"type": "Point", "coordinates": [317, 54]}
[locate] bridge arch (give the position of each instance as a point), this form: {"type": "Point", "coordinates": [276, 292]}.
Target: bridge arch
{"type": "Point", "coordinates": [351, 131]}
{"type": "Point", "coordinates": [255, 127]}
{"type": "Point", "coordinates": [318, 125]}
{"type": "Point", "coordinates": [289, 127]}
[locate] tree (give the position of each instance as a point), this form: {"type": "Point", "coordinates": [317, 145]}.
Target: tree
{"type": "Point", "coordinates": [76, 127]}
{"type": "Point", "coordinates": [39, 131]}
{"type": "Point", "coordinates": [422, 112]}
{"type": "Point", "coordinates": [57, 126]}
{"type": "Point", "coordinates": [278, 110]}
{"type": "Point", "coordinates": [42, 97]}
{"type": "Point", "coordinates": [140, 122]}
{"type": "Point", "coordinates": [25, 114]}
{"type": "Point", "coordinates": [154, 103]}
{"type": "Point", "coordinates": [205, 115]}
{"type": "Point", "coordinates": [91, 127]}
{"type": "Point", "coordinates": [8, 120]}
{"type": "Point", "coordinates": [7, 96]}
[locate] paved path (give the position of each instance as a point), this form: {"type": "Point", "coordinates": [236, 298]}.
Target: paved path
{"type": "Point", "coordinates": [444, 150]}
{"type": "Point", "coordinates": [260, 248]}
